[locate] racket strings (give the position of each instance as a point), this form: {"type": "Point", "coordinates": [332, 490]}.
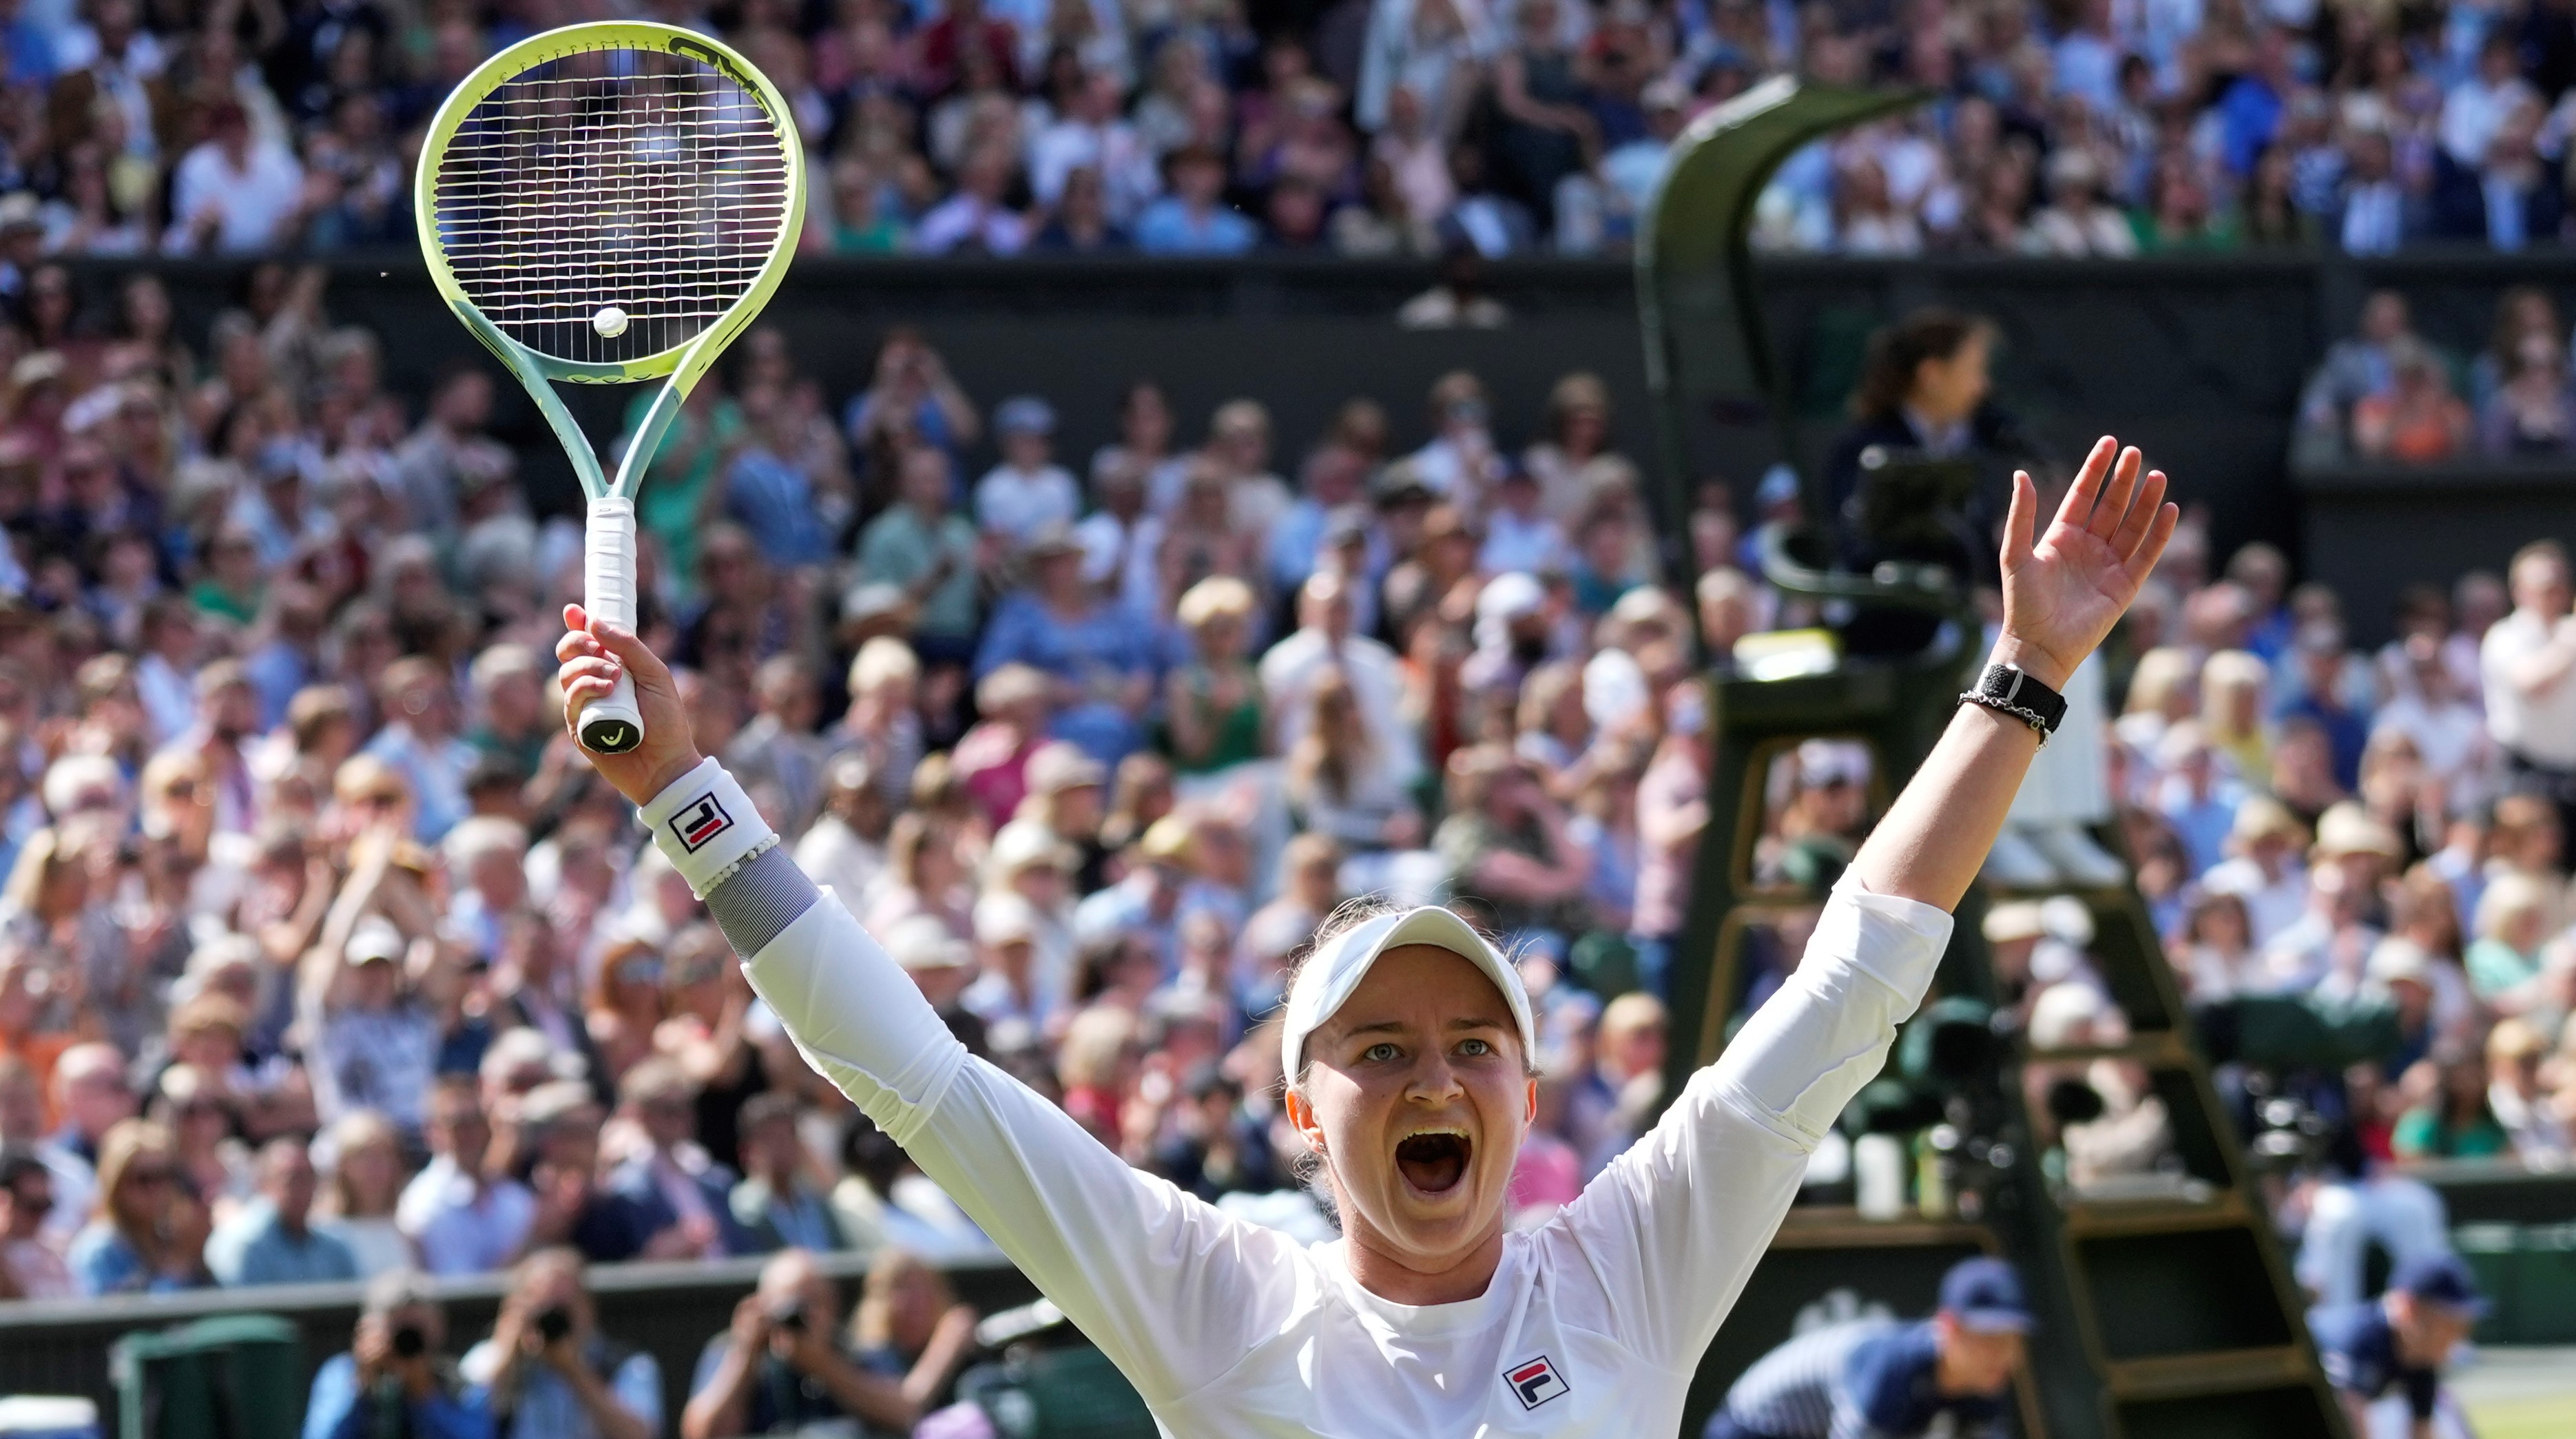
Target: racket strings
{"type": "Point", "coordinates": [649, 184]}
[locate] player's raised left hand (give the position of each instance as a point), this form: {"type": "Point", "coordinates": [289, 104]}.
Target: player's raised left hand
{"type": "Point", "coordinates": [592, 653]}
{"type": "Point", "coordinates": [2066, 587]}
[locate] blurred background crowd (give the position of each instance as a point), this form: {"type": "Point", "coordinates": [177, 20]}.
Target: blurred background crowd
{"type": "Point", "coordinates": [324, 955]}
{"type": "Point", "coordinates": [2069, 127]}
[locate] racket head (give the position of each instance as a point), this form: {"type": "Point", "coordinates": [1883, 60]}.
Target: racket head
{"type": "Point", "coordinates": [617, 164]}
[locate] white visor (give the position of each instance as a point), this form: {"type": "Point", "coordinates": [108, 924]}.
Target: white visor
{"type": "Point", "coordinates": [1325, 982]}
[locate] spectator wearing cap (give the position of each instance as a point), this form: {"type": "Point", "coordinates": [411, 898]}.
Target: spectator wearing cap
{"type": "Point", "coordinates": [271, 1240]}
{"type": "Point", "coordinates": [2265, 866]}
{"type": "Point", "coordinates": [942, 966]}
{"type": "Point", "coordinates": [2399, 1342]}
{"type": "Point", "coordinates": [460, 1217]}
{"type": "Point", "coordinates": [1100, 661]}
{"type": "Point", "coordinates": [1015, 702]}
{"type": "Point", "coordinates": [930, 553]}
{"type": "Point", "coordinates": [1067, 798]}
{"type": "Point", "coordinates": [374, 1044]}
{"type": "Point", "coordinates": [1951, 1373]}
{"type": "Point", "coordinates": [777, 1204]}
{"type": "Point", "coordinates": [1028, 491]}
{"type": "Point", "coordinates": [1010, 987]}
{"type": "Point", "coordinates": [1193, 218]}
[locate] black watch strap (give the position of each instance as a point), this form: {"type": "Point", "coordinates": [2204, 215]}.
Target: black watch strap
{"type": "Point", "coordinates": [2010, 690]}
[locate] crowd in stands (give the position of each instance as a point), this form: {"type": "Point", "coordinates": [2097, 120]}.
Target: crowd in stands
{"type": "Point", "coordinates": [323, 954]}
{"type": "Point", "coordinates": [2389, 394]}
{"type": "Point", "coordinates": [1359, 127]}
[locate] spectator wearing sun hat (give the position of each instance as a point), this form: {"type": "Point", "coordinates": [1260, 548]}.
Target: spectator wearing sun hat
{"type": "Point", "coordinates": [1028, 491]}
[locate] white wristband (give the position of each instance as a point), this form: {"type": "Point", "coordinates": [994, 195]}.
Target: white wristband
{"type": "Point", "coordinates": [706, 826]}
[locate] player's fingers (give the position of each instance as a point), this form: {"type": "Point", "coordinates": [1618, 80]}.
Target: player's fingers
{"type": "Point", "coordinates": [604, 668]}
{"type": "Point", "coordinates": [576, 644]}
{"type": "Point", "coordinates": [2020, 524]}
{"type": "Point", "coordinates": [2077, 508]}
{"type": "Point", "coordinates": [2143, 508]}
{"type": "Point", "coordinates": [588, 689]}
{"type": "Point", "coordinates": [2143, 563]}
{"type": "Point", "coordinates": [2116, 492]}
{"type": "Point", "coordinates": [633, 653]}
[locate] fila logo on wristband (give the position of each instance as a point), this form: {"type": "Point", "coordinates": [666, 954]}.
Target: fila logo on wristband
{"type": "Point", "coordinates": [700, 822]}
{"type": "Point", "coordinates": [1535, 1382]}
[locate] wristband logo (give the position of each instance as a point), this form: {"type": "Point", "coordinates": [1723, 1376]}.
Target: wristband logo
{"type": "Point", "coordinates": [1535, 1382]}
{"type": "Point", "coordinates": [700, 822]}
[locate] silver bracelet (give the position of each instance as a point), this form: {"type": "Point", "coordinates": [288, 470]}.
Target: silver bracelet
{"type": "Point", "coordinates": [2023, 713]}
{"type": "Point", "coordinates": [767, 843]}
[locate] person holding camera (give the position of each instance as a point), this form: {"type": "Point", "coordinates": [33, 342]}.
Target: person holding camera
{"type": "Point", "coordinates": [394, 1379]}
{"type": "Point", "coordinates": [548, 1371]}
{"type": "Point", "coordinates": [781, 1366]}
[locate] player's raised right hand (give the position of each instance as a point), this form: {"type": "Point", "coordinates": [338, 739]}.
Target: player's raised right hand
{"type": "Point", "coordinates": [593, 653]}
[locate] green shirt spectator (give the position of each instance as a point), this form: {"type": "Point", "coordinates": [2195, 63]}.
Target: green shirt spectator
{"type": "Point", "coordinates": [930, 553]}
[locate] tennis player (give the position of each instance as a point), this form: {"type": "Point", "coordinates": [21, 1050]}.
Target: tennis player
{"type": "Point", "coordinates": [1408, 1044]}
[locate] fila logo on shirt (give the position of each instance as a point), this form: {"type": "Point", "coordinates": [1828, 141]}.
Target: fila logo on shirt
{"type": "Point", "coordinates": [1535, 1382]}
{"type": "Point", "coordinates": [700, 823]}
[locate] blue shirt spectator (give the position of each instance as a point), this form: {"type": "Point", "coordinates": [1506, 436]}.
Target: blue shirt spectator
{"type": "Point", "coordinates": [1100, 656]}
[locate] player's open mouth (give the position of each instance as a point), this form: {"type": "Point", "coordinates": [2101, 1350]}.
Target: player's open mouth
{"type": "Point", "coordinates": [1433, 1161]}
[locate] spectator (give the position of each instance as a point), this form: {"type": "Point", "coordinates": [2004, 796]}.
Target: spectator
{"type": "Point", "coordinates": [547, 1370]}
{"type": "Point", "coordinates": [781, 1364]}
{"type": "Point", "coordinates": [270, 1240]}
{"type": "Point", "coordinates": [393, 1377]}
{"type": "Point", "coordinates": [1193, 219]}
{"type": "Point", "coordinates": [931, 554]}
{"type": "Point", "coordinates": [149, 1232]}
{"type": "Point", "coordinates": [236, 192]}
{"type": "Point", "coordinates": [672, 1182]}
{"type": "Point", "coordinates": [462, 1220]}
{"type": "Point", "coordinates": [31, 1263]}
{"type": "Point", "coordinates": [776, 1205]}
{"type": "Point", "coordinates": [2526, 661]}
{"type": "Point", "coordinates": [2418, 420]}
{"type": "Point", "coordinates": [1027, 492]}
{"type": "Point", "coordinates": [364, 1191]}
{"type": "Point", "coordinates": [1100, 665]}
{"type": "Point", "coordinates": [2532, 411]}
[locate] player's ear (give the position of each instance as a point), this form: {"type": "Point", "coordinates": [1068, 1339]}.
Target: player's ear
{"type": "Point", "coordinates": [1529, 1104]}
{"type": "Point", "coordinates": [1301, 1117]}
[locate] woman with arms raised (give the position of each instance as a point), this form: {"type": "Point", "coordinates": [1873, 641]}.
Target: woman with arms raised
{"type": "Point", "coordinates": [1408, 1054]}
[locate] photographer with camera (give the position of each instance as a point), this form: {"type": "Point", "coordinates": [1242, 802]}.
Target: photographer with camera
{"type": "Point", "coordinates": [394, 1379]}
{"type": "Point", "coordinates": [781, 1366]}
{"type": "Point", "coordinates": [548, 1371]}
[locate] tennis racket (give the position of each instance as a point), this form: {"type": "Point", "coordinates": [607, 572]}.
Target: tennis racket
{"type": "Point", "coordinates": [603, 204]}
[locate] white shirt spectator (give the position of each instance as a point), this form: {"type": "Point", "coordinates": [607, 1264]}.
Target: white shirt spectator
{"type": "Point", "coordinates": [2540, 727]}
{"type": "Point", "coordinates": [963, 220]}
{"type": "Point", "coordinates": [253, 202]}
{"type": "Point", "coordinates": [459, 1226]}
{"type": "Point", "coordinates": [2475, 110]}
{"type": "Point", "coordinates": [2271, 905]}
{"type": "Point", "coordinates": [1016, 503]}
{"type": "Point", "coordinates": [1291, 668]}
{"type": "Point", "coordinates": [1127, 175]}
{"type": "Point", "coordinates": [2450, 734]}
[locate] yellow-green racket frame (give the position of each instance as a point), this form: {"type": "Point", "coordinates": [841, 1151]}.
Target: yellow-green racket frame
{"type": "Point", "coordinates": [613, 725]}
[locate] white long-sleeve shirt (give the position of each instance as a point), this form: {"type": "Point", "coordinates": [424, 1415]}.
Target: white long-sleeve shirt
{"type": "Point", "coordinates": [1592, 1324]}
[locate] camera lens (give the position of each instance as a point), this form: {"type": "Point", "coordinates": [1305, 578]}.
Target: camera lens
{"type": "Point", "coordinates": [790, 1318]}
{"type": "Point", "coordinates": [553, 1323]}
{"type": "Point", "coordinates": [409, 1342]}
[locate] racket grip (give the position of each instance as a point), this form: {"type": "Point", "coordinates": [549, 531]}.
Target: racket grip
{"type": "Point", "coordinates": [613, 725]}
